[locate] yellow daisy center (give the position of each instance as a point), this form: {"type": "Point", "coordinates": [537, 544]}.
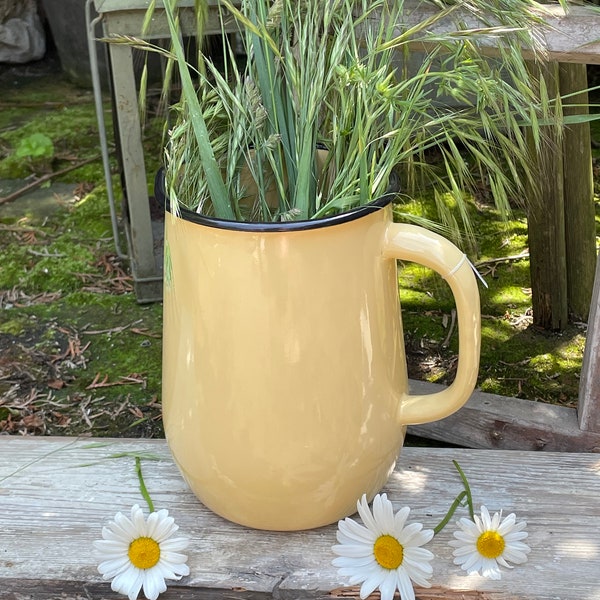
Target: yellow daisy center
{"type": "Point", "coordinates": [388, 552]}
{"type": "Point", "coordinates": [490, 544]}
{"type": "Point", "coordinates": [144, 553]}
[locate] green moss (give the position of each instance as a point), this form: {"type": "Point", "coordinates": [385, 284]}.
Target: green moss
{"type": "Point", "coordinates": [12, 326]}
{"type": "Point", "coordinates": [121, 341]}
{"type": "Point", "coordinates": [124, 339]}
{"type": "Point", "coordinates": [90, 219]}
{"type": "Point", "coordinates": [62, 112]}
{"type": "Point", "coordinates": [516, 359]}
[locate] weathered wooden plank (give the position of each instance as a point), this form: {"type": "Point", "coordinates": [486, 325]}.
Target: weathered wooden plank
{"type": "Point", "coordinates": [132, 153]}
{"type": "Point", "coordinates": [500, 422]}
{"type": "Point", "coordinates": [589, 384]}
{"type": "Point", "coordinates": [580, 222]}
{"type": "Point", "coordinates": [546, 220]}
{"type": "Point", "coordinates": [571, 37]}
{"type": "Point", "coordinates": [56, 493]}
{"type": "Point", "coordinates": [61, 590]}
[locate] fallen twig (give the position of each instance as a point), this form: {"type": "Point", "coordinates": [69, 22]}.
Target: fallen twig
{"type": "Point", "coordinates": [40, 180]}
{"type": "Point", "coordinates": [134, 378]}
{"type": "Point", "coordinates": [119, 329]}
{"type": "Point", "coordinates": [451, 330]}
{"type": "Point", "coordinates": [145, 332]}
{"type": "Point", "coordinates": [495, 261]}
{"type": "Point", "coordinates": [46, 254]}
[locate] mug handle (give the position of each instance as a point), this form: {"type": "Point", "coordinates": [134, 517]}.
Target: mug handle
{"type": "Point", "coordinates": [416, 244]}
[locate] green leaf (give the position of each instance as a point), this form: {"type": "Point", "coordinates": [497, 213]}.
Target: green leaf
{"type": "Point", "coordinates": [36, 145]}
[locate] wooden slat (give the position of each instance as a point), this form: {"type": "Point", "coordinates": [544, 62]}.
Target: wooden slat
{"type": "Point", "coordinates": [504, 423]}
{"type": "Point", "coordinates": [589, 384]}
{"type": "Point", "coordinates": [57, 493]}
{"type": "Point", "coordinates": [546, 220]}
{"type": "Point", "coordinates": [572, 37]}
{"type": "Point", "coordinates": [580, 222]}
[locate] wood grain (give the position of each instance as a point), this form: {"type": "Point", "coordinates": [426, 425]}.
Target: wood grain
{"type": "Point", "coordinates": [505, 423]}
{"type": "Point", "coordinates": [571, 37]}
{"type": "Point", "coordinates": [57, 493]}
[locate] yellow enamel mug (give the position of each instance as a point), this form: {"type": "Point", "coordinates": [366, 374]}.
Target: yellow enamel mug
{"type": "Point", "coordinates": [285, 390]}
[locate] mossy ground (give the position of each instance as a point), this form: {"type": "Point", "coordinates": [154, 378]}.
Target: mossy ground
{"type": "Point", "coordinates": [517, 359]}
{"type": "Point", "coordinates": [79, 355]}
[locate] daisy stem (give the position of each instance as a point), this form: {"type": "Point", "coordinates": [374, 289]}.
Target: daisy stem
{"type": "Point", "coordinates": [143, 489]}
{"type": "Point", "coordinates": [457, 502]}
{"type": "Point", "coordinates": [467, 489]}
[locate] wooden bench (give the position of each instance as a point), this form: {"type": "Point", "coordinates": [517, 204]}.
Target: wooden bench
{"type": "Point", "coordinates": [57, 493]}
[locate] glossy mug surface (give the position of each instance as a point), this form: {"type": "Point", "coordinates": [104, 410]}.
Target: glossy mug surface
{"type": "Point", "coordinates": [285, 390]}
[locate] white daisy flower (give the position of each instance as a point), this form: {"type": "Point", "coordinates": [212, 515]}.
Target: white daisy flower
{"type": "Point", "coordinates": [385, 553]}
{"type": "Point", "coordinates": [137, 553]}
{"type": "Point", "coordinates": [484, 544]}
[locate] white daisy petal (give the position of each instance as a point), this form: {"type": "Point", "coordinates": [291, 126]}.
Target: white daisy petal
{"type": "Point", "coordinates": [508, 524]}
{"type": "Point", "coordinates": [515, 536]}
{"type": "Point", "coordinates": [421, 538]}
{"type": "Point", "coordinates": [154, 584]}
{"type": "Point", "coordinates": [365, 514]}
{"type": "Point", "coordinates": [180, 571]}
{"type": "Point", "coordinates": [400, 518]}
{"type": "Point", "coordinates": [488, 542]}
{"type": "Point", "coordinates": [486, 520]}
{"type": "Point", "coordinates": [113, 567]}
{"type": "Point", "coordinates": [128, 583]}
{"type": "Point", "coordinates": [353, 551]}
{"type": "Point", "coordinates": [502, 562]}
{"type": "Point", "coordinates": [164, 528]}
{"type": "Point", "coordinates": [471, 562]}
{"type": "Point", "coordinates": [172, 557]}
{"type": "Point", "coordinates": [421, 578]}
{"type": "Point", "coordinates": [353, 530]}
{"type": "Point", "coordinates": [519, 546]}
{"type": "Point", "coordinates": [383, 512]}
{"type": "Point", "coordinates": [370, 585]}
{"type": "Point", "coordinates": [106, 546]}
{"type": "Point", "coordinates": [462, 550]}
{"type": "Point", "coordinates": [469, 527]}
{"type": "Point", "coordinates": [153, 521]}
{"type": "Point", "coordinates": [496, 521]}
{"type": "Point", "coordinates": [174, 544]}
{"type": "Point", "coordinates": [405, 587]}
{"type": "Point", "coordinates": [409, 532]}
{"type": "Point", "coordinates": [384, 553]}
{"type": "Point", "coordinates": [516, 556]}
{"type": "Point", "coordinates": [388, 586]}
{"type": "Point", "coordinates": [140, 554]}
{"type": "Point", "coordinates": [121, 526]}
{"type": "Point", "coordinates": [490, 569]}
{"type": "Point", "coordinates": [137, 518]}
{"type": "Point", "coordinates": [354, 579]}
{"type": "Point", "coordinates": [344, 561]}
{"type": "Point", "coordinates": [418, 555]}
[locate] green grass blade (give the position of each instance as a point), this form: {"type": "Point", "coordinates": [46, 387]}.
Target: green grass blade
{"type": "Point", "coordinates": [214, 179]}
